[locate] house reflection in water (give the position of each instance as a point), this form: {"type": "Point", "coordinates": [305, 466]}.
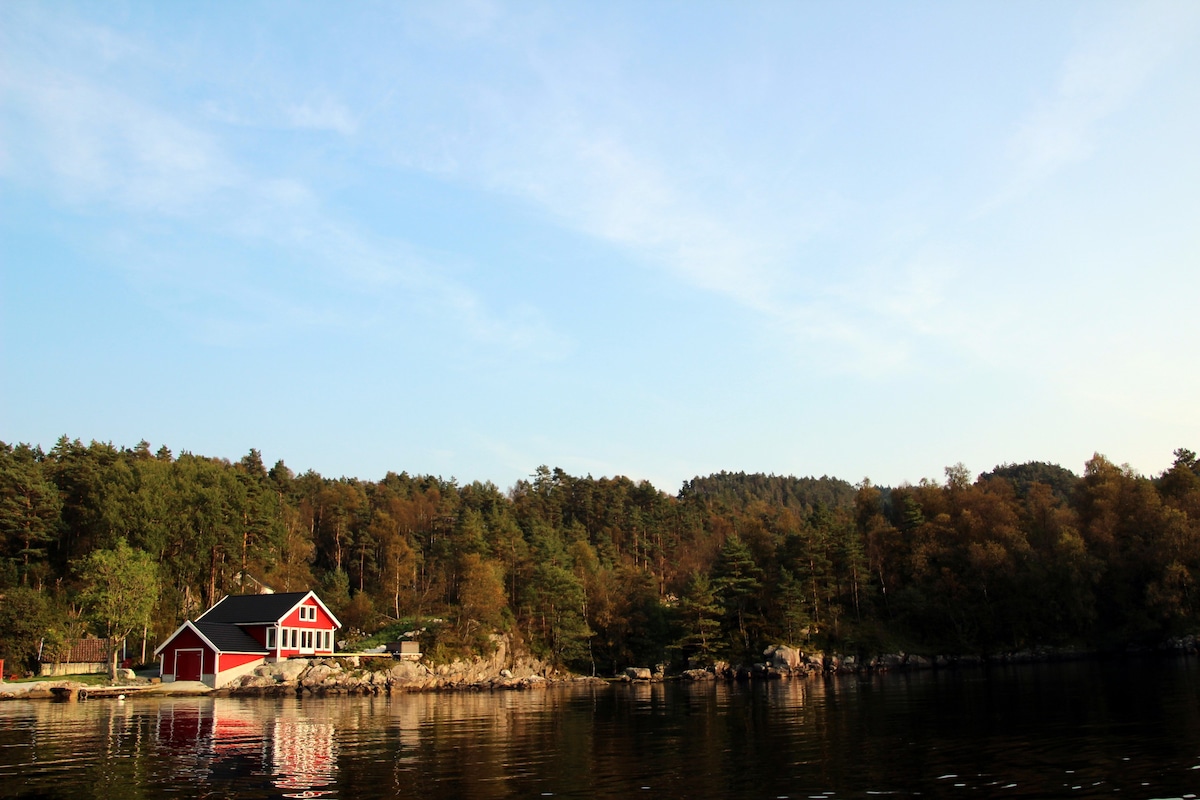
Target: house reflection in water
{"type": "Point", "coordinates": [224, 742]}
{"type": "Point", "coordinates": [302, 754]}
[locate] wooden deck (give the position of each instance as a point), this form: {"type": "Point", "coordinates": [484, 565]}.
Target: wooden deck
{"type": "Point", "coordinates": [99, 692]}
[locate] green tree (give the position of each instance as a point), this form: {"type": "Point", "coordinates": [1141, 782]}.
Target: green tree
{"type": "Point", "coordinates": [29, 510]}
{"type": "Point", "coordinates": [700, 621]}
{"type": "Point", "coordinates": [335, 590]}
{"type": "Point", "coordinates": [556, 608]}
{"type": "Point", "coordinates": [737, 582]}
{"type": "Point", "coordinates": [119, 594]}
{"type": "Point", "coordinates": [25, 617]}
{"type": "Point", "coordinates": [796, 603]}
{"type": "Point", "coordinates": [625, 610]}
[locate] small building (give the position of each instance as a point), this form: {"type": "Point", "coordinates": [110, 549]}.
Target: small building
{"type": "Point", "coordinates": [404, 649]}
{"type": "Point", "coordinates": [243, 631]}
{"type": "Point", "coordinates": [75, 657]}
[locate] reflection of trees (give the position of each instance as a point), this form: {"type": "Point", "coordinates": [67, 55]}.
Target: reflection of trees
{"type": "Point", "coordinates": [484, 745]}
{"type": "Point", "coordinates": [104, 747]}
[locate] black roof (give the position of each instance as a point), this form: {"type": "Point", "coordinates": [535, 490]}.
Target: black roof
{"type": "Point", "coordinates": [251, 608]}
{"type": "Point", "coordinates": [229, 638]}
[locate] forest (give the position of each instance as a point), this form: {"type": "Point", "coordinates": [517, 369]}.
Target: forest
{"type": "Point", "coordinates": [597, 574]}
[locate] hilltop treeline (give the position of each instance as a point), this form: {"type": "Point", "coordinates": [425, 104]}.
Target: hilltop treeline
{"type": "Point", "coordinates": [604, 573]}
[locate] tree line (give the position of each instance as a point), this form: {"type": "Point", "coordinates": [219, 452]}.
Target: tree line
{"type": "Point", "coordinates": [602, 573]}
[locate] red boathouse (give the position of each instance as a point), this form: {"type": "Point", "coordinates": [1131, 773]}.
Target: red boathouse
{"type": "Point", "coordinates": [243, 631]}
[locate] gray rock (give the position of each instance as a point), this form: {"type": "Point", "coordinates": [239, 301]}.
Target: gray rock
{"type": "Point", "coordinates": [407, 672]}
{"type": "Point", "coordinates": [780, 656]}
{"type": "Point", "coordinates": [316, 675]}
{"type": "Point", "coordinates": [890, 661]}
{"type": "Point", "coordinates": [256, 681]}
{"type": "Point", "coordinates": [290, 669]}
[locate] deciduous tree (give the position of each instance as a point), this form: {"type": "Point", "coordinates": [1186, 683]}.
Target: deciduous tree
{"type": "Point", "coordinates": [120, 591]}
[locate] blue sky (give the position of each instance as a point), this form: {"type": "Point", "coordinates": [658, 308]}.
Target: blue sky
{"type": "Point", "coordinates": [650, 239]}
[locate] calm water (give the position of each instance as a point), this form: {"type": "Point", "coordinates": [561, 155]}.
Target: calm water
{"type": "Point", "coordinates": [1076, 730]}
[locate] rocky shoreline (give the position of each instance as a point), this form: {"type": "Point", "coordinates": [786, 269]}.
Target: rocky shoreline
{"type": "Point", "coordinates": [504, 670]}
{"type": "Point", "coordinates": [783, 662]}
{"type": "Point", "coordinates": [359, 675]}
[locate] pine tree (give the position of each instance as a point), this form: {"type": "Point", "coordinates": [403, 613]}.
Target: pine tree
{"type": "Point", "coordinates": [737, 582]}
{"type": "Point", "coordinates": [700, 620]}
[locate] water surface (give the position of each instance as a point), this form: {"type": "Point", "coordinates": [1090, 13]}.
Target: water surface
{"type": "Point", "coordinates": [1128, 728]}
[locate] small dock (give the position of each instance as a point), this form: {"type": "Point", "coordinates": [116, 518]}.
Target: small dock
{"type": "Point", "coordinates": [98, 692]}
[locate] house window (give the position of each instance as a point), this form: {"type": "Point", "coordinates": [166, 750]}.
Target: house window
{"type": "Point", "coordinates": [271, 638]}
{"type": "Point", "coordinates": [327, 642]}
{"type": "Point", "coordinates": [308, 613]}
{"type": "Point", "coordinates": [293, 638]}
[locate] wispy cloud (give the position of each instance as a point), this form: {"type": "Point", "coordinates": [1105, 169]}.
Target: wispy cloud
{"type": "Point", "coordinates": [749, 250]}
{"type": "Point", "coordinates": [101, 146]}
{"type": "Point", "coordinates": [576, 144]}
{"type": "Point", "coordinates": [322, 112]}
{"type": "Point", "coordinates": [1104, 72]}
{"type": "Point", "coordinates": [574, 131]}
{"type": "Point", "coordinates": [596, 183]}
{"type": "Point", "coordinates": [106, 147]}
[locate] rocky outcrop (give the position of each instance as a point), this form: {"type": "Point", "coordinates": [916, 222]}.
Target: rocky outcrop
{"type": "Point", "coordinates": [644, 674]}
{"type": "Point", "coordinates": [501, 670]}
{"type": "Point", "coordinates": [1183, 644]}
{"type": "Point", "coordinates": [781, 661]}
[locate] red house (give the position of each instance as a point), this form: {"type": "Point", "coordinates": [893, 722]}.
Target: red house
{"type": "Point", "coordinates": [243, 631]}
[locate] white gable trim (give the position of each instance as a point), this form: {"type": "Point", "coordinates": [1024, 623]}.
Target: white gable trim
{"type": "Point", "coordinates": [179, 630]}
{"type": "Point", "coordinates": [336, 623]}
{"type": "Point", "coordinates": [158, 650]}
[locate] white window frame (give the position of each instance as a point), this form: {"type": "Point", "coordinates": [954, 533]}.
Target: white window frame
{"type": "Point", "coordinates": [272, 637]}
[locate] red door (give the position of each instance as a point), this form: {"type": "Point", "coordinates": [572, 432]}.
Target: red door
{"type": "Point", "coordinates": [187, 664]}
